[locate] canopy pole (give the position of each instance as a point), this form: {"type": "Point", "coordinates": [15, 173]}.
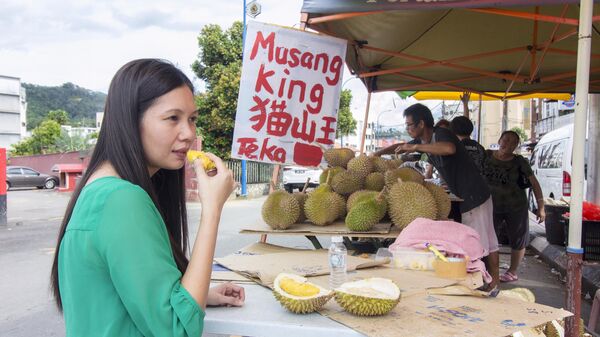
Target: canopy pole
{"type": "Point", "coordinates": [366, 122]}
{"type": "Point", "coordinates": [479, 121]}
{"type": "Point", "coordinates": [574, 250]}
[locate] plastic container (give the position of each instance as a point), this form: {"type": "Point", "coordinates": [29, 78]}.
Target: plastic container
{"type": "Point", "coordinates": [590, 239]}
{"type": "Point", "coordinates": [455, 268]}
{"type": "Point", "coordinates": [337, 262]}
{"type": "Point", "coordinates": [413, 259]}
{"type": "Point", "coordinates": [555, 227]}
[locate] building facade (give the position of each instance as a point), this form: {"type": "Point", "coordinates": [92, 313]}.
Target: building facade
{"type": "Point", "coordinates": [13, 111]}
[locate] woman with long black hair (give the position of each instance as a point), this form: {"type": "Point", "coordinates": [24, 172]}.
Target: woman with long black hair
{"type": "Point", "coordinates": [120, 267]}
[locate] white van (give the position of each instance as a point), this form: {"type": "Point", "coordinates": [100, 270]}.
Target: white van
{"type": "Point", "coordinates": [552, 161]}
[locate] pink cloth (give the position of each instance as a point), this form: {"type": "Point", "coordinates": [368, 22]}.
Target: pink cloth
{"type": "Point", "coordinates": [448, 236]}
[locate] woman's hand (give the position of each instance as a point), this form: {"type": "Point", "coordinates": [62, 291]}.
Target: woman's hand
{"type": "Point", "coordinates": [213, 191]}
{"type": "Point", "coordinates": [226, 294]}
{"type": "Point", "coordinates": [541, 214]}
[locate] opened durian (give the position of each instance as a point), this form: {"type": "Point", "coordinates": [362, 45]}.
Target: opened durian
{"type": "Point", "coordinates": [207, 163]}
{"type": "Point", "coordinates": [299, 296]}
{"type": "Point", "coordinates": [522, 294]}
{"type": "Point", "coordinates": [368, 297]}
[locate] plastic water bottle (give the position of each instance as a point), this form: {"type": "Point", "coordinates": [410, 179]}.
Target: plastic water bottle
{"type": "Point", "coordinates": [337, 262]}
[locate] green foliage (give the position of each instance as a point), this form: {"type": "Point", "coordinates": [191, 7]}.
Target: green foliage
{"type": "Point", "coordinates": [219, 65]}
{"type": "Point", "coordinates": [522, 134]}
{"type": "Point", "coordinates": [43, 140]}
{"type": "Point", "coordinates": [60, 116]}
{"type": "Point", "coordinates": [346, 124]}
{"type": "Point", "coordinates": [76, 142]}
{"type": "Point", "coordinates": [80, 104]}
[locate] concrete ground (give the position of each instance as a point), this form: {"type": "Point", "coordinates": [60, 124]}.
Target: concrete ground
{"type": "Point", "coordinates": [27, 248]}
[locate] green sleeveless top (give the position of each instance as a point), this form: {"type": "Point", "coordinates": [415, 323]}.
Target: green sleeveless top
{"type": "Point", "coordinates": [117, 275]}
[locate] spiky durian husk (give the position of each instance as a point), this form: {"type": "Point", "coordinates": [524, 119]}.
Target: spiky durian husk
{"type": "Point", "coordinates": [375, 181]}
{"type": "Point", "coordinates": [380, 165]}
{"type": "Point", "coordinates": [338, 157]}
{"type": "Point", "coordinates": [404, 174]}
{"type": "Point", "coordinates": [365, 306]}
{"type": "Point", "coordinates": [347, 182]}
{"type": "Point", "coordinates": [362, 165]}
{"type": "Point", "coordinates": [442, 199]}
{"type": "Point", "coordinates": [280, 210]}
{"type": "Point", "coordinates": [364, 215]}
{"type": "Point", "coordinates": [357, 197]}
{"type": "Point", "coordinates": [323, 207]}
{"type": "Point", "coordinates": [301, 198]}
{"type": "Point", "coordinates": [300, 306]}
{"type": "Point", "coordinates": [408, 201]}
{"type": "Point", "coordinates": [331, 172]}
{"type": "Point", "coordinates": [394, 163]}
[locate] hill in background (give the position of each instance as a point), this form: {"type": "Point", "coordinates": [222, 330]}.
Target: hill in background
{"type": "Point", "coordinates": [81, 104]}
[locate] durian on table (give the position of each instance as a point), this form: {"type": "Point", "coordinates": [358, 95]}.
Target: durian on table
{"type": "Point", "coordinates": [299, 296]}
{"type": "Point", "coordinates": [369, 297]}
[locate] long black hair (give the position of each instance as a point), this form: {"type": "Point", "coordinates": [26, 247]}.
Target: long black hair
{"type": "Point", "coordinates": [132, 91]}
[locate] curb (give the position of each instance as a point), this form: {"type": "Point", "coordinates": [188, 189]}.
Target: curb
{"type": "Point", "coordinates": [556, 257]}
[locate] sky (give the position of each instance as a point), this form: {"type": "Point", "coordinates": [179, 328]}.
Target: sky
{"type": "Point", "coordinates": [51, 42]}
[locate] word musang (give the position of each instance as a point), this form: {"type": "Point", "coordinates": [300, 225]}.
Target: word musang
{"type": "Point", "coordinates": [292, 58]}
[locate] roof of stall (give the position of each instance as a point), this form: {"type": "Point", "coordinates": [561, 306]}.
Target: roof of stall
{"type": "Point", "coordinates": [458, 45]}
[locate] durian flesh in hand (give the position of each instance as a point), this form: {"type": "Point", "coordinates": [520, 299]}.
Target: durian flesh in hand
{"type": "Point", "coordinates": [369, 297]}
{"type": "Point", "coordinates": [299, 296]}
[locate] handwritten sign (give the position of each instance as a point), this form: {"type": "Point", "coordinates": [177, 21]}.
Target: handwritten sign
{"type": "Point", "coordinates": [289, 95]}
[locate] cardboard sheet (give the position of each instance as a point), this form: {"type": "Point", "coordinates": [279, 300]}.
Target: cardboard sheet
{"type": "Point", "coordinates": [382, 229]}
{"type": "Point", "coordinates": [265, 267]}
{"type": "Point", "coordinates": [437, 315]}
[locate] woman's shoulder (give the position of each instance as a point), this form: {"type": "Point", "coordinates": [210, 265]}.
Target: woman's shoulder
{"type": "Point", "coordinates": [114, 191]}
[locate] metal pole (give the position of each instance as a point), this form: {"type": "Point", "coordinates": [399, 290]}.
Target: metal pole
{"type": "Point", "coordinates": [364, 130]}
{"type": "Point", "coordinates": [504, 115]}
{"type": "Point", "coordinates": [243, 179]}
{"type": "Point", "coordinates": [593, 172]}
{"type": "Point", "coordinates": [574, 250]}
{"type": "Point", "coordinates": [479, 122]}
{"type": "Point", "coordinates": [3, 185]}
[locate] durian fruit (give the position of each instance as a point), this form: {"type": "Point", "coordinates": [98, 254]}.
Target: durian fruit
{"type": "Point", "coordinates": [375, 181]}
{"type": "Point", "coordinates": [280, 210]}
{"type": "Point", "coordinates": [368, 297]}
{"type": "Point", "coordinates": [338, 157]}
{"type": "Point", "coordinates": [404, 173]}
{"type": "Point", "coordinates": [365, 214]}
{"type": "Point", "coordinates": [299, 296]}
{"type": "Point", "coordinates": [522, 294]}
{"type": "Point", "coordinates": [362, 165]}
{"type": "Point", "coordinates": [408, 201]}
{"type": "Point", "coordinates": [208, 164]}
{"type": "Point", "coordinates": [394, 163]}
{"type": "Point", "coordinates": [442, 199]}
{"type": "Point", "coordinates": [553, 329]}
{"type": "Point", "coordinates": [330, 172]}
{"type": "Point", "coordinates": [358, 196]}
{"type": "Point", "coordinates": [323, 206]}
{"type": "Point", "coordinates": [301, 198]}
{"type": "Point", "coordinates": [347, 182]}
{"type": "Point", "coordinates": [380, 164]}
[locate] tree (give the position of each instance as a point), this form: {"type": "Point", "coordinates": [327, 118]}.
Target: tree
{"type": "Point", "coordinates": [43, 140]}
{"type": "Point", "coordinates": [60, 116]}
{"type": "Point", "coordinates": [346, 124]}
{"type": "Point", "coordinates": [219, 66]}
{"type": "Point", "coordinates": [522, 134]}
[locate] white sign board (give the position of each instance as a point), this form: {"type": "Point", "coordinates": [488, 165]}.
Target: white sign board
{"type": "Point", "coordinates": [289, 95]}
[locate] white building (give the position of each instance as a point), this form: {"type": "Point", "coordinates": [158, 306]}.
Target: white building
{"type": "Point", "coordinates": [13, 111]}
{"type": "Point", "coordinates": [78, 131]}
{"type": "Point", "coordinates": [99, 118]}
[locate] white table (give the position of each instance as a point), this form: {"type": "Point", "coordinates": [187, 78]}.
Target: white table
{"type": "Point", "coordinates": [263, 316]}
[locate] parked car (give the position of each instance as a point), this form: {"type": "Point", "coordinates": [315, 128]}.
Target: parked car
{"type": "Point", "coordinates": [21, 176]}
{"type": "Point", "coordinates": [294, 177]}
{"type": "Point", "coordinates": [551, 162]}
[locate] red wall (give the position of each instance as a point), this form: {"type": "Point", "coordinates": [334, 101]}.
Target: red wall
{"type": "Point", "coordinates": [44, 162]}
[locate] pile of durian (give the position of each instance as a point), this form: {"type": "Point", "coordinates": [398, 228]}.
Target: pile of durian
{"type": "Point", "coordinates": [362, 191]}
{"type": "Point", "coordinates": [368, 297]}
